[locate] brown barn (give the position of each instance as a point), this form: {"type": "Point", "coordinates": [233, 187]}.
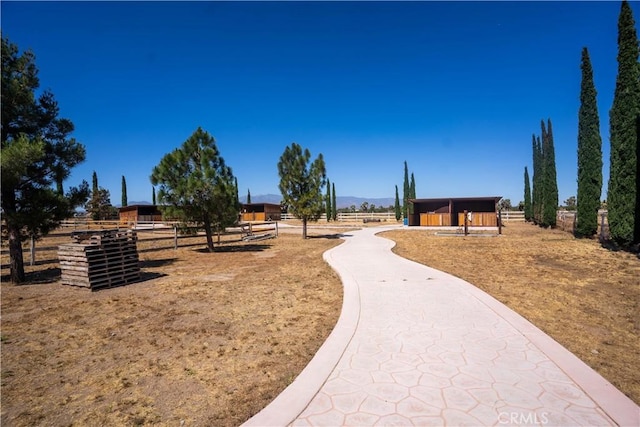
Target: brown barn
{"type": "Point", "coordinates": [450, 211]}
{"type": "Point", "coordinates": [261, 212]}
{"type": "Point", "coordinates": [139, 213]}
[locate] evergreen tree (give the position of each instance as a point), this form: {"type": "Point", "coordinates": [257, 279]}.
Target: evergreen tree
{"type": "Point", "coordinates": [153, 195]}
{"type": "Point", "coordinates": [397, 208]}
{"type": "Point", "coordinates": [528, 208]}
{"type": "Point", "coordinates": [550, 185]}
{"type": "Point", "coordinates": [334, 206]}
{"type": "Point", "coordinates": [329, 210]}
{"type": "Point", "coordinates": [197, 186]}
{"type": "Point", "coordinates": [622, 197]}
{"type": "Point", "coordinates": [248, 196]}
{"type": "Point", "coordinates": [301, 184]}
{"type": "Point", "coordinates": [124, 192]}
{"type": "Point", "coordinates": [405, 191]}
{"type": "Point", "coordinates": [94, 181]}
{"type": "Point", "coordinates": [412, 192]}
{"type": "Point", "coordinates": [536, 200]}
{"type": "Point", "coordinates": [589, 154]}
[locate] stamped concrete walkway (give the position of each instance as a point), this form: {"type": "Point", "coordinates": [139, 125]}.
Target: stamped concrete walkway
{"type": "Point", "coordinates": [416, 346]}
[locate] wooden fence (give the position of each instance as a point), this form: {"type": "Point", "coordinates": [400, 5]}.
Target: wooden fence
{"type": "Point", "coordinates": [157, 236]}
{"type": "Point", "coordinates": [567, 220]}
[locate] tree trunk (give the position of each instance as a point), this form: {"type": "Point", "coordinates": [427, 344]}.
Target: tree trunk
{"type": "Point", "coordinates": [15, 255]}
{"type": "Point", "coordinates": [304, 228]}
{"type": "Point", "coordinates": [207, 230]}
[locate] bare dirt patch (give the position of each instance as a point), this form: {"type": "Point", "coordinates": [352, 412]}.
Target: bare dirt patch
{"type": "Point", "coordinates": [204, 339]}
{"type": "Point", "coordinates": [584, 296]}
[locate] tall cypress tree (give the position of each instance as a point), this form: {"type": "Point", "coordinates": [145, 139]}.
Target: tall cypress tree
{"type": "Point", "coordinates": [589, 154]}
{"type": "Point", "coordinates": [406, 189]}
{"type": "Point", "coordinates": [412, 192]}
{"type": "Point", "coordinates": [550, 202]}
{"type": "Point", "coordinates": [334, 206]}
{"type": "Point", "coordinates": [624, 118]}
{"type": "Point", "coordinates": [124, 192]}
{"type": "Point", "coordinates": [528, 208]}
{"type": "Point", "coordinates": [397, 206]}
{"type": "Point", "coordinates": [153, 195]}
{"type": "Point", "coordinates": [329, 211]}
{"type": "Point", "coordinates": [536, 200]}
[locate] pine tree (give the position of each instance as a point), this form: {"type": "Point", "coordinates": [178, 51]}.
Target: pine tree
{"type": "Point", "coordinates": [622, 196]}
{"type": "Point", "coordinates": [528, 208]}
{"type": "Point", "coordinates": [397, 206]}
{"type": "Point", "coordinates": [589, 154]}
{"type": "Point", "coordinates": [248, 196]}
{"type": "Point", "coordinates": [301, 184]}
{"type": "Point", "coordinates": [334, 206]}
{"type": "Point", "coordinates": [124, 192]}
{"type": "Point", "coordinates": [405, 191]}
{"type": "Point", "coordinates": [327, 201]}
{"type": "Point", "coordinates": [197, 186]}
{"type": "Point", "coordinates": [550, 185]}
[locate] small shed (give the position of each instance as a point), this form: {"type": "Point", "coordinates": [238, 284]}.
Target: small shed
{"type": "Point", "coordinates": [450, 211]}
{"type": "Point", "coordinates": [261, 212]}
{"type": "Point", "coordinates": [139, 213]}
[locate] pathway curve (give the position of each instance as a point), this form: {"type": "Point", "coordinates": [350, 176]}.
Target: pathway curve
{"type": "Point", "coordinates": [416, 346]}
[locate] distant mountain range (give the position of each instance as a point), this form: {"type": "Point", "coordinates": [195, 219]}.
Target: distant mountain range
{"type": "Point", "coordinates": [342, 201]}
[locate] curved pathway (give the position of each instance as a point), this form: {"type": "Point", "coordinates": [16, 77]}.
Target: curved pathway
{"type": "Point", "coordinates": [416, 346]}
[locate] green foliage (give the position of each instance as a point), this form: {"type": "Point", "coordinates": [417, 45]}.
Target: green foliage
{"type": "Point", "coordinates": [589, 154]}
{"type": "Point", "coordinates": [624, 118]}
{"type": "Point", "coordinates": [528, 208]}
{"type": "Point", "coordinates": [37, 154]}
{"type": "Point", "coordinates": [412, 192]}
{"type": "Point", "coordinates": [196, 185]}
{"type": "Point", "coordinates": [248, 196]}
{"type": "Point", "coordinates": [405, 191]}
{"type": "Point", "coordinates": [329, 210]}
{"type": "Point", "coordinates": [505, 205]}
{"type": "Point", "coordinates": [396, 207]}
{"type": "Point", "coordinates": [536, 192]}
{"type": "Point", "coordinates": [99, 204]}
{"type": "Point", "coordinates": [570, 203]}
{"type": "Point", "coordinates": [153, 195]}
{"type": "Point", "coordinates": [550, 183]}
{"type": "Point", "coordinates": [301, 184]}
{"type": "Point", "coordinates": [124, 192]}
{"type": "Point", "coordinates": [334, 206]}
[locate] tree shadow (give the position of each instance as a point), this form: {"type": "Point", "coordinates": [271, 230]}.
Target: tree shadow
{"type": "Point", "coordinates": [235, 248]}
{"type": "Point", "coordinates": [330, 236]}
{"type": "Point", "coordinates": [40, 277]}
{"type": "Point", "coordinates": [157, 263]}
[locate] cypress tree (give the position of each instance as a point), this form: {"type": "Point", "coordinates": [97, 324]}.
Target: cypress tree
{"type": "Point", "coordinates": [248, 195]}
{"type": "Point", "coordinates": [153, 195]}
{"type": "Point", "coordinates": [536, 200]}
{"type": "Point", "coordinates": [528, 208]}
{"type": "Point", "coordinates": [334, 206]}
{"type": "Point", "coordinates": [397, 206]}
{"type": "Point", "coordinates": [550, 197]}
{"type": "Point", "coordinates": [412, 192]}
{"type": "Point", "coordinates": [328, 201]}
{"type": "Point", "coordinates": [406, 189]}
{"type": "Point", "coordinates": [589, 154]}
{"type": "Point", "coordinates": [124, 192]}
{"type": "Point", "coordinates": [622, 195]}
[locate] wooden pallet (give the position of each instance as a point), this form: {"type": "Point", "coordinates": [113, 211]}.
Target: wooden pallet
{"type": "Point", "coordinates": [108, 258]}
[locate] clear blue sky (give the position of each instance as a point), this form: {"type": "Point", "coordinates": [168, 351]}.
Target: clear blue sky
{"type": "Point", "coordinates": [455, 88]}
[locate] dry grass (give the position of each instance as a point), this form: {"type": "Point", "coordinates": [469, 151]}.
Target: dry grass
{"type": "Point", "coordinates": [205, 339]}
{"type": "Point", "coordinates": [584, 296]}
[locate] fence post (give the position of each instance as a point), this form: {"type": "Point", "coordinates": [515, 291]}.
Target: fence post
{"type": "Point", "coordinates": [276, 229]}
{"type": "Point", "coordinates": [175, 237]}
{"type": "Point", "coordinates": [500, 220]}
{"type": "Point", "coordinates": [32, 251]}
{"type": "Point", "coordinates": [466, 229]}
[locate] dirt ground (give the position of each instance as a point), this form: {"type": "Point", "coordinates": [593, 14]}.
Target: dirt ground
{"type": "Point", "coordinates": [584, 296]}
{"type": "Point", "coordinates": [211, 338]}
{"type": "Point", "coordinates": [204, 339]}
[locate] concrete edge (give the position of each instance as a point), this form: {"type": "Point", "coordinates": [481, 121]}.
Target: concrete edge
{"type": "Point", "coordinates": [616, 405]}
{"type": "Point", "coordinates": [294, 399]}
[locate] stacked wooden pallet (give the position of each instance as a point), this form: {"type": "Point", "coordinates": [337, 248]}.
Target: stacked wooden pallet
{"type": "Point", "coordinates": [102, 259]}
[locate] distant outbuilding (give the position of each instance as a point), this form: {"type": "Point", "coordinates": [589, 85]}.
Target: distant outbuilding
{"type": "Point", "coordinates": [260, 212]}
{"type": "Point", "coordinates": [481, 211]}
{"type": "Point", "coordinates": [139, 213]}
